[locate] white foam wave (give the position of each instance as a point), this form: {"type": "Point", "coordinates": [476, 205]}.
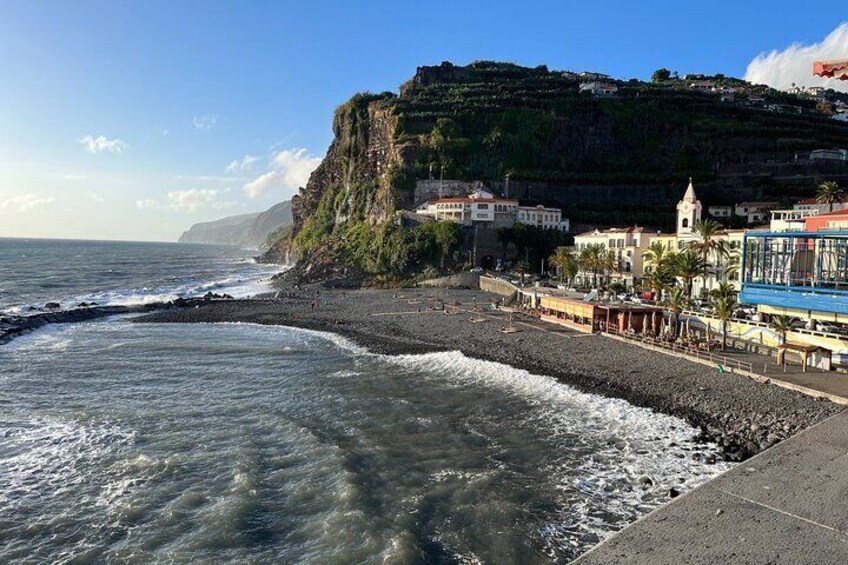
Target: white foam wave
{"type": "Point", "coordinates": [241, 285]}
{"type": "Point", "coordinates": [645, 454]}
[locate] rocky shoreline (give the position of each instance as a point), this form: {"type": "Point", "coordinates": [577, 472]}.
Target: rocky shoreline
{"type": "Point", "coordinates": [740, 415]}
{"type": "Point", "coordinates": [12, 327]}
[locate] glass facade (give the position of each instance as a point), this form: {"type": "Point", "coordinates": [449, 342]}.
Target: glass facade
{"type": "Point", "coordinates": [808, 260]}
{"type": "Point", "coordinates": [803, 273]}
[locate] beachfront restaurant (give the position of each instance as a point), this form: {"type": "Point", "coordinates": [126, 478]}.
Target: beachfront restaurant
{"type": "Point", "coordinates": [591, 316]}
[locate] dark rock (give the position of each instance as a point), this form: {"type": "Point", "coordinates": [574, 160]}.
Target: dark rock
{"type": "Point", "coordinates": [673, 493]}
{"type": "Point", "coordinates": [52, 306]}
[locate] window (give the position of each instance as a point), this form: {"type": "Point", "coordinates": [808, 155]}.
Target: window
{"type": "Point", "coordinates": [483, 206]}
{"type": "Point", "coordinates": [685, 223]}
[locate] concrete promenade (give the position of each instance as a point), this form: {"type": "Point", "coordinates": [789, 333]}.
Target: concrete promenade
{"type": "Point", "coordinates": [787, 505]}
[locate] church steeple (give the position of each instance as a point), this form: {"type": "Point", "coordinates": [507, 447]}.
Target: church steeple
{"type": "Point", "coordinates": [690, 193]}
{"type": "Point", "coordinates": [688, 211]}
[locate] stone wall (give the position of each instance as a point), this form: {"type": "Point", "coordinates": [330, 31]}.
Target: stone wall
{"type": "Point", "coordinates": [428, 189]}
{"type": "Point", "coordinates": [498, 286]}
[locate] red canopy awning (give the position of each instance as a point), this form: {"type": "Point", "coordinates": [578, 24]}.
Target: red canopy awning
{"type": "Point", "coordinates": [831, 69]}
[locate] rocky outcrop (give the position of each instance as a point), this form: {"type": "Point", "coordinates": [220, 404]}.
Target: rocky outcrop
{"type": "Point", "coordinates": [558, 144]}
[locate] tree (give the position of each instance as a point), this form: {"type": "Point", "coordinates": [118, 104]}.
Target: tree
{"type": "Point", "coordinates": [687, 265]}
{"type": "Point", "coordinates": [676, 302]}
{"type": "Point", "coordinates": [448, 238]}
{"type": "Point", "coordinates": [565, 262]}
{"type": "Point", "coordinates": [708, 243]}
{"type": "Point", "coordinates": [522, 267]}
{"type": "Point", "coordinates": [829, 192]}
{"type": "Point", "coordinates": [591, 260]}
{"type": "Point", "coordinates": [658, 280]}
{"type": "Point", "coordinates": [609, 264]}
{"type": "Point", "coordinates": [724, 308]}
{"type": "Point", "coordinates": [724, 290]}
{"type": "Point", "coordinates": [781, 325]}
{"type": "Point", "coordinates": [656, 254]}
{"type": "Point", "coordinates": [661, 75]}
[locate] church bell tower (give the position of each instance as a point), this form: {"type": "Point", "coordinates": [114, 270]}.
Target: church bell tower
{"type": "Point", "coordinates": [688, 212]}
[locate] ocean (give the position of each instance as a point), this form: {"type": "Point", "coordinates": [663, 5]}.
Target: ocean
{"type": "Point", "coordinates": [34, 272]}
{"type": "Point", "coordinates": [238, 443]}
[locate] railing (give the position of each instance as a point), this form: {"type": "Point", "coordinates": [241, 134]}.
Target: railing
{"type": "Point", "coordinates": [805, 331]}
{"type": "Point", "coordinates": [689, 351]}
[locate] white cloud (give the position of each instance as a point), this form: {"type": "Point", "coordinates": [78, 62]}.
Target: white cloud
{"type": "Point", "coordinates": [290, 169]}
{"type": "Point", "coordinates": [205, 122]}
{"type": "Point", "coordinates": [780, 69]}
{"type": "Point", "coordinates": [95, 197]}
{"type": "Point", "coordinates": [245, 164]}
{"type": "Point", "coordinates": [146, 204]}
{"type": "Point", "coordinates": [101, 143]}
{"type": "Point", "coordinates": [259, 186]}
{"type": "Point", "coordinates": [25, 202]}
{"type": "Point", "coordinates": [191, 200]}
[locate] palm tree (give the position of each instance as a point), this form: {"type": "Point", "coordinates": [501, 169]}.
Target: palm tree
{"type": "Point", "coordinates": [829, 192]}
{"type": "Point", "coordinates": [609, 264]}
{"type": "Point", "coordinates": [708, 243]}
{"type": "Point", "coordinates": [781, 326]}
{"type": "Point", "coordinates": [724, 290]}
{"type": "Point", "coordinates": [590, 260]}
{"type": "Point", "coordinates": [658, 280]}
{"type": "Point", "coordinates": [724, 308]}
{"type": "Point", "coordinates": [656, 254]}
{"type": "Point", "coordinates": [676, 302]}
{"type": "Point", "coordinates": [565, 262]}
{"type": "Point", "coordinates": [687, 265]}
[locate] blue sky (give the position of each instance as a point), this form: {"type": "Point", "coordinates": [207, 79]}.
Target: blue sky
{"type": "Point", "coordinates": [120, 120]}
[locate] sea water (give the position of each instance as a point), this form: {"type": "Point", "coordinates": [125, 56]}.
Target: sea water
{"type": "Point", "coordinates": [34, 272]}
{"type": "Point", "coordinates": [237, 443]}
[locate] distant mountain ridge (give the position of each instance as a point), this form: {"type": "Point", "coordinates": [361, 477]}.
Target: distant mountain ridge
{"type": "Point", "coordinates": [243, 230]}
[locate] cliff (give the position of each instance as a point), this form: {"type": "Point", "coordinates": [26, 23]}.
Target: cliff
{"type": "Point", "coordinates": [250, 230]}
{"type": "Point", "coordinates": [632, 152]}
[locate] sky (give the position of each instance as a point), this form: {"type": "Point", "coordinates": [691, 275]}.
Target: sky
{"type": "Point", "coordinates": [133, 120]}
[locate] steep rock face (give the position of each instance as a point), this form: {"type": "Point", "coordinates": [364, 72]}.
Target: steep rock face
{"type": "Point", "coordinates": [358, 179]}
{"type": "Point", "coordinates": [585, 154]}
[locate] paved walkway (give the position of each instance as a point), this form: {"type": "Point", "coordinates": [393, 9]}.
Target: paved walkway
{"type": "Point", "coordinates": [787, 505]}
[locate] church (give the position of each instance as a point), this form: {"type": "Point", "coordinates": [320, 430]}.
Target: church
{"type": "Point", "coordinates": [630, 244]}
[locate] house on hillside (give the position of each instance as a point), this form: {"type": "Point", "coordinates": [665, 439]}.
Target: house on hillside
{"type": "Point", "coordinates": [599, 89]}
{"type": "Point", "coordinates": [721, 212]}
{"type": "Point", "coordinates": [754, 212]}
{"type": "Point", "coordinates": [829, 155]}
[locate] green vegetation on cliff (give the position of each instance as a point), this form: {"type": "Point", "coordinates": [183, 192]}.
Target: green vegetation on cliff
{"type": "Point", "coordinates": [488, 120]}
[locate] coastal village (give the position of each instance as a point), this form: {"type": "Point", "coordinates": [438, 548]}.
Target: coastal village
{"type": "Point", "coordinates": [768, 298]}
{"type": "Point", "coordinates": [513, 314]}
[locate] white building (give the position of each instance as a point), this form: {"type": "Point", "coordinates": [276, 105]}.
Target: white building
{"type": "Point", "coordinates": [483, 209]}
{"type": "Point", "coordinates": [720, 211]}
{"type": "Point", "coordinates": [478, 208]}
{"type": "Point", "coordinates": [599, 89]}
{"type": "Point", "coordinates": [628, 245]}
{"type": "Point", "coordinates": [813, 204]}
{"type": "Point", "coordinates": [541, 217]}
{"type": "Point", "coordinates": [688, 212]}
{"type": "Point", "coordinates": [829, 155]}
{"type": "Point", "coordinates": [754, 212]}
{"type": "Point", "coordinates": [791, 220]}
